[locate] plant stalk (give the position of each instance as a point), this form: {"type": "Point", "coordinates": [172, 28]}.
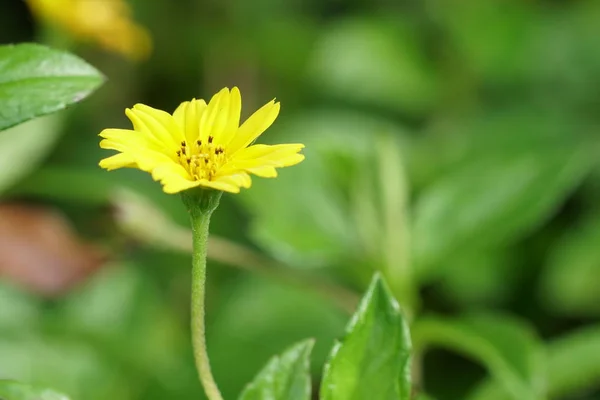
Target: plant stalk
{"type": "Point", "coordinates": [200, 208]}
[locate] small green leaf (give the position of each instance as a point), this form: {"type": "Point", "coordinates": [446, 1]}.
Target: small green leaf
{"type": "Point", "coordinates": [373, 360]}
{"type": "Point", "coordinates": [36, 80]}
{"type": "Point", "coordinates": [285, 377]}
{"type": "Point", "coordinates": [509, 350]}
{"type": "Point", "coordinates": [10, 390]}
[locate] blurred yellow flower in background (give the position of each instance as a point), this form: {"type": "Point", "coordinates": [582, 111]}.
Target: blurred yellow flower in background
{"type": "Point", "coordinates": [199, 144]}
{"type": "Point", "coordinates": [105, 22]}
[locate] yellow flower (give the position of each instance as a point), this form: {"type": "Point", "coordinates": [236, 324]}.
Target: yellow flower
{"type": "Point", "coordinates": [106, 22]}
{"type": "Point", "coordinates": [200, 145]}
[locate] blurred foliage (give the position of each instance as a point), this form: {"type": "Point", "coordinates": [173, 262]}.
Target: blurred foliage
{"type": "Point", "coordinates": [451, 145]}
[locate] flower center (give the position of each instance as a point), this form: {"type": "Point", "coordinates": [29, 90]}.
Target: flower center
{"type": "Point", "coordinates": [201, 160]}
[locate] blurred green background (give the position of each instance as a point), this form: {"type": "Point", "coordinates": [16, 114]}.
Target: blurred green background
{"type": "Point", "coordinates": [451, 144]}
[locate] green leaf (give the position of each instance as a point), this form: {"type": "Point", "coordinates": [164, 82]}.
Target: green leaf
{"type": "Point", "coordinates": [509, 181]}
{"type": "Point", "coordinates": [509, 350]}
{"type": "Point", "coordinates": [10, 390]}
{"type": "Point", "coordinates": [36, 80]}
{"type": "Point", "coordinates": [285, 377]}
{"type": "Point", "coordinates": [373, 359]}
{"type": "Point", "coordinates": [573, 365]}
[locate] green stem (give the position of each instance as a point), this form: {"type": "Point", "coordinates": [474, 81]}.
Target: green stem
{"type": "Point", "coordinates": [200, 206]}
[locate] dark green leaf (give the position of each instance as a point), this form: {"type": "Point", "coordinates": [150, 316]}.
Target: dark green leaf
{"type": "Point", "coordinates": [285, 377]}
{"type": "Point", "coordinates": [509, 350]}
{"type": "Point", "coordinates": [373, 359]}
{"type": "Point", "coordinates": [10, 390]}
{"type": "Point", "coordinates": [36, 80]}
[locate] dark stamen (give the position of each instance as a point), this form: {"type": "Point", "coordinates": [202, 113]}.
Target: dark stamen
{"type": "Point", "coordinates": [189, 160]}
{"type": "Point", "coordinates": [183, 143]}
{"type": "Point", "coordinates": [210, 139]}
{"type": "Point", "coordinates": [206, 160]}
{"type": "Point", "coordinates": [178, 153]}
{"type": "Point", "coordinates": [183, 150]}
{"type": "Point", "coordinates": [199, 142]}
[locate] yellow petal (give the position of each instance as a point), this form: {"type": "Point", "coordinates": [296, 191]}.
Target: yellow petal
{"type": "Point", "coordinates": [145, 158]}
{"type": "Point", "coordinates": [113, 145]}
{"type": "Point", "coordinates": [176, 185]}
{"type": "Point", "coordinates": [214, 118]}
{"type": "Point", "coordinates": [157, 123]}
{"type": "Point", "coordinates": [265, 171]}
{"type": "Point", "coordinates": [240, 179]}
{"type": "Point", "coordinates": [179, 114]}
{"type": "Point", "coordinates": [118, 161]}
{"type": "Point", "coordinates": [173, 177]}
{"type": "Point", "coordinates": [268, 151]}
{"type": "Point", "coordinates": [254, 126]}
{"type": "Point", "coordinates": [220, 185]}
{"type": "Point", "coordinates": [233, 119]}
{"type": "Point", "coordinates": [167, 170]}
{"type": "Point", "coordinates": [188, 116]}
{"type": "Point", "coordinates": [131, 138]}
{"type": "Point", "coordinates": [261, 155]}
{"type": "Point", "coordinates": [290, 160]}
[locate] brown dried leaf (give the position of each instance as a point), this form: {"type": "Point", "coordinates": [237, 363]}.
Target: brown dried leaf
{"type": "Point", "coordinates": [40, 251]}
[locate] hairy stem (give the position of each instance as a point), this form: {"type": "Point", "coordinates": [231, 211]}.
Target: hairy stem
{"type": "Point", "coordinates": [200, 218]}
